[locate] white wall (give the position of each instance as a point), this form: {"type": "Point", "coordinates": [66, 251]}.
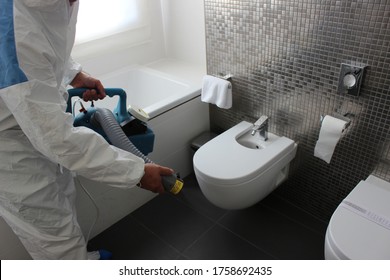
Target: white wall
{"type": "Point", "coordinates": [184, 29]}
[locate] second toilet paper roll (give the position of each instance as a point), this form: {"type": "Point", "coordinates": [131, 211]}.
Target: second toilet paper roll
{"type": "Point", "coordinates": [331, 131]}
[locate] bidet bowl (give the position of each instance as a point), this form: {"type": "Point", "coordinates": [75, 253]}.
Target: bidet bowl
{"type": "Point", "coordinates": [250, 141]}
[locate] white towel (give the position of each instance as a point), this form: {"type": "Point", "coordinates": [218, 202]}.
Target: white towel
{"type": "Point", "coordinates": [217, 91]}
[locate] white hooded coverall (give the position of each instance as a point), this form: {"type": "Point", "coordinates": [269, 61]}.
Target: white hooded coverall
{"type": "Point", "coordinates": [39, 147]}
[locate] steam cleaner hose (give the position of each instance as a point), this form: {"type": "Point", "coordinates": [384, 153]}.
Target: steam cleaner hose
{"type": "Point", "coordinates": [104, 118]}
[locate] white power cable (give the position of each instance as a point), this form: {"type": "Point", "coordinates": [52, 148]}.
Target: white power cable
{"type": "Point", "coordinates": [94, 204]}
{"type": "Point", "coordinates": [74, 106]}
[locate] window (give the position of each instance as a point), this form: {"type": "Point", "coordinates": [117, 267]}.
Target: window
{"type": "Point", "coordinates": [111, 24]}
{"type": "Point", "coordinates": [101, 18]}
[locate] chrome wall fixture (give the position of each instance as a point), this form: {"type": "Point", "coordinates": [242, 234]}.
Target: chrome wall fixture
{"type": "Point", "coordinates": [350, 79]}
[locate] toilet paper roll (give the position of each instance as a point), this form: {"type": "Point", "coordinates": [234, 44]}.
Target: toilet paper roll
{"type": "Point", "coordinates": [331, 131]}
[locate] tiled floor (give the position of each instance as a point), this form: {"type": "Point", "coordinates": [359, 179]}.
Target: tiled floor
{"type": "Point", "coordinates": [187, 226]}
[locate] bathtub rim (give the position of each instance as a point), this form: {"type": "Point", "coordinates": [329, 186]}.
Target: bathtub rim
{"type": "Point", "coordinates": [190, 91]}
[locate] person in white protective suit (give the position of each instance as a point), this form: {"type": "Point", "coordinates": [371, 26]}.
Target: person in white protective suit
{"type": "Point", "coordinates": [39, 147]}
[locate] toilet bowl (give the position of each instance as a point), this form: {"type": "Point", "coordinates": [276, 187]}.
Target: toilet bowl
{"type": "Point", "coordinates": [359, 229]}
{"type": "Point", "coordinates": [236, 170]}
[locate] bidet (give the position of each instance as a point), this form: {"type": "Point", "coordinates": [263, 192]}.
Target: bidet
{"type": "Point", "coordinates": [236, 170]}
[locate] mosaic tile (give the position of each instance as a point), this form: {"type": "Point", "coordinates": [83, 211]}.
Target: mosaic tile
{"type": "Point", "coordinates": [285, 56]}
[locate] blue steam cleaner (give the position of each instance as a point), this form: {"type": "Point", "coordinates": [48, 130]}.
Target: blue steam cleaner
{"type": "Point", "coordinates": [121, 129]}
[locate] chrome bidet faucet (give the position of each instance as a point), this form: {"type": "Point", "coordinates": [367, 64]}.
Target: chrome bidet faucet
{"type": "Point", "coordinates": [261, 126]}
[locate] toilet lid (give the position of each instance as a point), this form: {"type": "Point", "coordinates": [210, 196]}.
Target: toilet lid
{"type": "Point", "coordinates": [360, 226]}
{"type": "Point", "coordinates": [228, 163]}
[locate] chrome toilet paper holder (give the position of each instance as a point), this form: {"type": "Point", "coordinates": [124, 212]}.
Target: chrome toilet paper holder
{"type": "Point", "coordinates": [345, 117]}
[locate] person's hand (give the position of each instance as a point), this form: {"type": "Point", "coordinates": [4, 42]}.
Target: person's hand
{"type": "Point", "coordinates": [152, 178]}
{"type": "Point", "coordinates": [96, 89]}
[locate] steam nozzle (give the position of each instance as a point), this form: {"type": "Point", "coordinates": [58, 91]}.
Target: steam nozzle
{"type": "Point", "coordinates": [172, 183]}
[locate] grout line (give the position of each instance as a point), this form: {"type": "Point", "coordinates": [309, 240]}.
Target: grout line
{"type": "Point", "coordinates": [293, 219]}
{"type": "Point", "coordinates": [199, 212]}
{"type": "Point", "coordinates": [301, 209]}
{"type": "Point", "coordinates": [155, 234]}
{"type": "Point", "coordinates": [247, 241]}
{"type": "Point", "coordinates": [197, 239]}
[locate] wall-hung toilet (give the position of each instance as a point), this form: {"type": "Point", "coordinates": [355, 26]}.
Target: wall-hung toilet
{"type": "Point", "coordinates": [237, 169]}
{"type": "Point", "coordinates": [359, 229]}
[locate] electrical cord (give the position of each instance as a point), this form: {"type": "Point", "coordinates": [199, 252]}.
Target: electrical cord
{"type": "Point", "coordinates": [94, 204]}
{"type": "Point", "coordinates": [82, 109]}
{"type": "Point", "coordinates": [98, 254]}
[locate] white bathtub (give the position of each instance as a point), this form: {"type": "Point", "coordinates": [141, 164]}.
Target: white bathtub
{"type": "Point", "coordinates": [176, 116]}
{"type": "Point", "coordinates": [153, 91]}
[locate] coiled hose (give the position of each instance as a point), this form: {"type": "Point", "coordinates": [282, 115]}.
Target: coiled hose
{"type": "Point", "coordinates": [104, 118]}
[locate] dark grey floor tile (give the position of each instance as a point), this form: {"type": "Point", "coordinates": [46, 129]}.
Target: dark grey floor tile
{"type": "Point", "coordinates": [193, 197]}
{"type": "Point", "coordinates": [187, 226]}
{"type": "Point", "coordinates": [274, 233]}
{"type": "Point", "coordinates": [128, 240]}
{"type": "Point", "coordinates": [302, 217]}
{"type": "Point", "coordinates": [172, 221]}
{"type": "Point", "coordinates": [221, 244]}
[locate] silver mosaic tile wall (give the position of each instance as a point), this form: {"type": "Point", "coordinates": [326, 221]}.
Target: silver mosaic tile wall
{"type": "Point", "coordinates": [285, 56]}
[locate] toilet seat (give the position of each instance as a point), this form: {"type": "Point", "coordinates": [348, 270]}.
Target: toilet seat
{"type": "Point", "coordinates": [225, 162]}
{"type": "Point", "coordinates": [354, 232]}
